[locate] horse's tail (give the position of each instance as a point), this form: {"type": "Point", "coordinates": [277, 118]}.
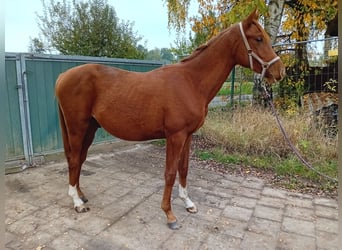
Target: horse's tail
{"type": "Point", "coordinates": [64, 130]}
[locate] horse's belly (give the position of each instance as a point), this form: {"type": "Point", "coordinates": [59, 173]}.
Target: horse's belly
{"type": "Point", "coordinates": [132, 129]}
{"type": "Point", "coordinates": [135, 134]}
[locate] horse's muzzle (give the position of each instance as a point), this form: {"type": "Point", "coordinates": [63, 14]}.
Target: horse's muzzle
{"type": "Point", "coordinates": [275, 72]}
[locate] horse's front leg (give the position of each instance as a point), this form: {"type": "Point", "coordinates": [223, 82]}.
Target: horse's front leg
{"type": "Point", "coordinates": [174, 147]}
{"type": "Point", "coordinates": [183, 172]}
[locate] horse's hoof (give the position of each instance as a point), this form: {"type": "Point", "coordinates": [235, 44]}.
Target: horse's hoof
{"type": "Point", "coordinates": [192, 210]}
{"type": "Point", "coordinates": [82, 209]}
{"type": "Point", "coordinates": [173, 225]}
{"type": "Point", "coordinates": [84, 199]}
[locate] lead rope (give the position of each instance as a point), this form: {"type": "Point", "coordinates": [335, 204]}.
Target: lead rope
{"type": "Point", "coordinates": [294, 149]}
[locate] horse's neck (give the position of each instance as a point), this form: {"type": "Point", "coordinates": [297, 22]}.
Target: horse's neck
{"type": "Point", "coordinates": [212, 66]}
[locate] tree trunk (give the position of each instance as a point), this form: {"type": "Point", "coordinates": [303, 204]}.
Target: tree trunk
{"type": "Point", "coordinates": [272, 23]}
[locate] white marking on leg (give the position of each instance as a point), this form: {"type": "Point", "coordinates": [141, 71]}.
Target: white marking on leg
{"type": "Point", "coordinates": [74, 195]}
{"type": "Point", "coordinates": [183, 194]}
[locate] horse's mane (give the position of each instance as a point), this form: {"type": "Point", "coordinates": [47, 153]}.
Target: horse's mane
{"type": "Point", "coordinates": [195, 53]}
{"type": "Point", "coordinates": [203, 47]}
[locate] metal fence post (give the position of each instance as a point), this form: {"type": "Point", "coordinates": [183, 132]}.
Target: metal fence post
{"type": "Point", "coordinates": [232, 87]}
{"type": "Point", "coordinates": [24, 107]}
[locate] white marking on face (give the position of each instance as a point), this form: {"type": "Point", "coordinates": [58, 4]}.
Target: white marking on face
{"type": "Point", "coordinates": [74, 195]}
{"type": "Point", "coordinates": [183, 194]}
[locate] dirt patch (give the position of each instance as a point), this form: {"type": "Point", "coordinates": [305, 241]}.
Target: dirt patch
{"type": "Point", "coordinates": [17, 186]}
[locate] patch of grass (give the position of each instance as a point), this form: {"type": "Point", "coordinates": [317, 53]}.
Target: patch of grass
{"type": "Point", "coordinates": [244, 88]}
{"type": "Point", "coordinates": [217, 155]}
{"type": "Point", "coordinates": [159, 142]}
{"type": "Point", "coordinates": [289, 168]}
{"type": "Point", "coordinates": [205, 155]}
{"type": "Point", "coordinates": [251, 137]}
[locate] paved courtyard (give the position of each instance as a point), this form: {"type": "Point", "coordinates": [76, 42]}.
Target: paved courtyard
{"type": "Point", "coordinates": [124, 185]}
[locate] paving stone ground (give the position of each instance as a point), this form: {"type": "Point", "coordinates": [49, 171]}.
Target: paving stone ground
{"type": "Point", "coordinates": [124, 185]}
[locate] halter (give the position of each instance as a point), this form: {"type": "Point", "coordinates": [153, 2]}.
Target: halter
{"type": "Point", "coordinates": [251, 54]}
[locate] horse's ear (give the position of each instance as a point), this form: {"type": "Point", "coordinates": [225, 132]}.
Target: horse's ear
{"type": "Point", "coordinates": [253, 16]}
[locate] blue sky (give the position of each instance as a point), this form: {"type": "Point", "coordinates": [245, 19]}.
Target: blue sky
{"type": "Point", "coordinates": [149, 17]}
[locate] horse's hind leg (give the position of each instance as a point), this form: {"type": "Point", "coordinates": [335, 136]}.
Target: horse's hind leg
{"type": "Point", "coordinates": [74, 164]}
{"type": "Point", "coordinates": [87, 141]}
{"type": "Point", "coordinates": [183, 172]}
{"type": "Point", "coordinates": [79, 143]}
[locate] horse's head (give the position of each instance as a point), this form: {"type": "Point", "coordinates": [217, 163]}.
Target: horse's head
{"type": "Point", "coordinates": [255, 50]}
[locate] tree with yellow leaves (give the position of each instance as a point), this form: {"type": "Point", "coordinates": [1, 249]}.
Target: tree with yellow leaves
{"type": "Point", "coordinates": [303, 20]}
{"type": "Point", "coordinates": [300, 18]}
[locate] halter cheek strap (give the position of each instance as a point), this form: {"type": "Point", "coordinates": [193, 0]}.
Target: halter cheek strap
{"type": "Point", "coordinates": [251, 54]}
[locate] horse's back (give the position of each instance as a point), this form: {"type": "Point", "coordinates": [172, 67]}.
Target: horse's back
{"type": "Point", "coordinates": [81, 76]}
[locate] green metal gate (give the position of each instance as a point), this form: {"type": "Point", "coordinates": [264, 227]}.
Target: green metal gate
{"type": "Point", "coordinates": [33, 122]}
{"type": "Point", "coordinates": [12, 122]}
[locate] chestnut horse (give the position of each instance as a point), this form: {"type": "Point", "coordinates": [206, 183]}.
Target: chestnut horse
{"type": "Point", "coordinates": [169, 102]}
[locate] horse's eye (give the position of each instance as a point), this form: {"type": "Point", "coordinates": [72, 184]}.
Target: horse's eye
{"type": "Point", "coordinates": [259, 39]}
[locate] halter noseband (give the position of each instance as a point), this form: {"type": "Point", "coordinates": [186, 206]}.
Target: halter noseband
{"type": "Point", "coordinates": [251, 54]}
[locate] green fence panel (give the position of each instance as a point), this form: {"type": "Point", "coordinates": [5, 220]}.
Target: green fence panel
{"type": "Point", "coordinates": [12, 123]}
{"type": "Point", "coordinates": [41, 76]}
